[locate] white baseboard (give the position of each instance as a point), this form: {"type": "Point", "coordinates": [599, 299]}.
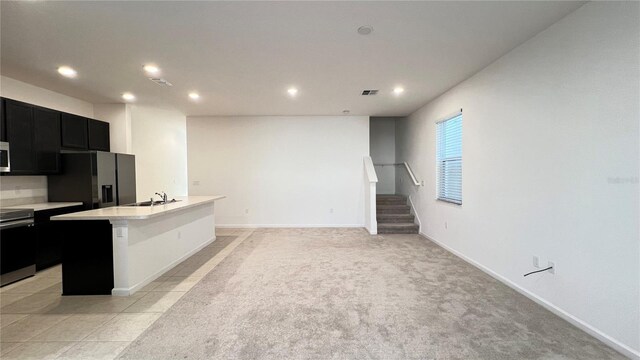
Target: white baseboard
{"type": "Point", "coordinates": [243, 226]}
{"type": "Point", "coordinates": [415, 213]}
{"type": "Point", "coordinates": [132, 290]}
{"type": "Point", "coordinates": [618, 346]}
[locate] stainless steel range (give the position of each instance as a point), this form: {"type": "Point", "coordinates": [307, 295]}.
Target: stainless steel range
{"type": "Point", "coordinates": [17, 245]}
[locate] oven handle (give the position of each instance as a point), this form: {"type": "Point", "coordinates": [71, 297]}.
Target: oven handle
{"type": "Point", "coordinates": [13, 224]}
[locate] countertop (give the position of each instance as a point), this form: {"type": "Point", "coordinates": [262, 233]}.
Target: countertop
{"type": "Point", "coordinates": [139, 212]}
{"type": "Point", "coordinates": [44, 206]}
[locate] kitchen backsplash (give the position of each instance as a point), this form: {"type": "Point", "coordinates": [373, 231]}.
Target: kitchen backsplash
{"type": "Point", "coordinates": [20, 190]}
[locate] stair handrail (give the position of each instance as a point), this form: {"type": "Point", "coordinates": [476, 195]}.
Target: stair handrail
{"type": "Point", "coordinates": [372, 177]}
{"type": "Point", "coordinates": [407, 167]}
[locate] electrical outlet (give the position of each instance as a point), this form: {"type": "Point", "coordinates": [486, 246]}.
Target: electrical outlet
{"type": "Point", "coordinates": [446, 226]}
{"type": "Point", "coordinates": [331, 210]}
{"type": "Point", "coordinates": [179, 235]}
{"type": "Point", "coordinates": [553, 267]}
{"type": "Point", "coordinates": [246, 211]}
{"type": "Point", "coordinates": [196, 182]}
{"type": "Point", "coordinates": [536, 262]}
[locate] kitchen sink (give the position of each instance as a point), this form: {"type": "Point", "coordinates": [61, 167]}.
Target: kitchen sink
{"type": "Point", "coordinates": [150, 203]}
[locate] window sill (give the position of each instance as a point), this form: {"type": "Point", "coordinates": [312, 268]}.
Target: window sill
{"type": "Point", "coordinates": [448, 201]}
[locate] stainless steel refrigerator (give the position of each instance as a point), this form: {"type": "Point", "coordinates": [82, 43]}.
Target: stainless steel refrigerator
{"type": "Point", "coordinates": [98, 179]}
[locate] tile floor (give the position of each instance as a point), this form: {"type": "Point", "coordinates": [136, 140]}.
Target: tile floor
{"type": "Point", "coordinates": [36, 322]}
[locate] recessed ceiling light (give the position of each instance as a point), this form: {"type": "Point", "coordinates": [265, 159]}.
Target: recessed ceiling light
{"type": "Point", "coordinates": [151, 69]}
{"type": "Point", "coordinates": [194, 95]}
{"type": "Point", "coordinates": [398, 90]}
{"type": "Point", "coordinates": [67, 71]}
{"type": "Point", "coordinates": [365, 30]}
{"type": "Point", "coordinates": [292, 91]}
{"type": "Point", "coordinates": [128, 96]}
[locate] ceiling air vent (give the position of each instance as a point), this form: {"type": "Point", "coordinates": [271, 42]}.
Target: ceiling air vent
{"type": "Point", "coordinates": [161, 82]}
{"type": "Point", "coordinates": [369, 92]}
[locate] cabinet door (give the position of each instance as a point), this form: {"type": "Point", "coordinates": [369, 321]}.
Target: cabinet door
{"type": "Point", "coordinates": [49, 239]}
{"type": "Point", "coordinates": [74, 132]}
{"type": "Point", "coordinates": [3, 126]}
{"type": "Point", "coordinates": [88, 265]}
{"type": "Point", "coordinates": [98, 135]}
{"type": "Point", "coordinates": [48, 246]}
{"type": "Point", "coordinates": [46, 140]}
{"type": "Point", "coordinates": [19, 122]}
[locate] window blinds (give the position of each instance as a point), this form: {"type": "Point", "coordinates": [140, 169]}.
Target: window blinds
{"type": "Point", "coordinates": [449, 157]}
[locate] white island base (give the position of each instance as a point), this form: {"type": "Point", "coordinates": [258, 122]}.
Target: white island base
{"type": "Point", "coordinates": [143, 250]}
{"type": "Point", "coordinates": [149, 241]}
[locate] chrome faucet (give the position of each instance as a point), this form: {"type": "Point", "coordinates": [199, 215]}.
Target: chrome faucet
{"type": "Point", "coordinates": [163, 196]}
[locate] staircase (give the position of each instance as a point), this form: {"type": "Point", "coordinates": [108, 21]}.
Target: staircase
{"type": "Point", "coordinates": [393, 215]}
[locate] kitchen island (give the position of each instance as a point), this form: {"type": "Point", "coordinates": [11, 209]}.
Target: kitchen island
{"type": "Point", "coordinates": [118, 250]}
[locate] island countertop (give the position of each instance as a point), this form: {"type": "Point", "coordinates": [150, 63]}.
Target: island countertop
{"type": "Point", "coordinates": [44, 206]}
{"type": "Point", "coordinates": [139, 212]}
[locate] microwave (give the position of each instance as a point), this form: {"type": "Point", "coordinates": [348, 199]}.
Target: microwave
{"type": "Point", "coordinates": [5, 159]}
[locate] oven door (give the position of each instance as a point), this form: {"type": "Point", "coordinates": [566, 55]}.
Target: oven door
{"type": "Point", "coordinates": [17, 251]}
{"type": "Point", "coordinates": [5, 159]}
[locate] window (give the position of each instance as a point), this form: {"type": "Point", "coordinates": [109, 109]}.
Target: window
{"type": "Point", "coordinates": [449, 157]}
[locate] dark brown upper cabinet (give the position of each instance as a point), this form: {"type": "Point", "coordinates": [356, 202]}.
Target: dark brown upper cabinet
{"type": "Point", "coordinates": [19, 132]}
{"type": "Point", "coordinates": [36, 136]}
{"type": "Point", "coordinates": [33, 136]}
{"type": "Point", "coordinates": [45, 141]}
{"type": "Point", "coordinates": [98, 135]}
{"type": "Point", "coordinates": [74, 132]}
{"type": "Point", "coordinates": [3, 123]}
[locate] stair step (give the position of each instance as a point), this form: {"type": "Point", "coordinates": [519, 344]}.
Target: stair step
{"type": "Point", "coordinates": [394, 218]}
{"type": "Point", "coordinates": [398, 228]}
{"type": "Point", "coordinates": [391, 202]}
{"type": "Point", "coordinates": [391, 197]}
{"type": "Point", "coordinates": [392, 209]}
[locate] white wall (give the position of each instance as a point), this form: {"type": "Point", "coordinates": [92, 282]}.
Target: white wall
{"type": "Point", "coordinates": [382, 140]}
{"type": "Point", "coordinates": [159, 142]}
{"type": "Point", "coordinates": [156, 136]}
{"type": "Point", "coordinates": [119, 118]}
{"type": "Point", "coordinates": [280, 171]}
{"type": "Point", "coordinates": [550, 149]}
{"type": "Point", "coordinates": [21, 91]}
{"type": "Point", "coordinates": [19, 190]}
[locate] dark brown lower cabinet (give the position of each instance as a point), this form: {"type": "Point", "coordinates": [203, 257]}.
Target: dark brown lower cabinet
{"type": "Point", "coordinates": [87, 257]}
{"type": "Point", "coordinates": [49, 238]}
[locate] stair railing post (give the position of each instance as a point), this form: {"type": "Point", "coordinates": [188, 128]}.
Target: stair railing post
{"type": "Point", "coordinates": [371, 178]}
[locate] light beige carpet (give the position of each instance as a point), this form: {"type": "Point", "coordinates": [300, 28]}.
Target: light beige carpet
{"type": "Point", "coordinates": [342, 294]}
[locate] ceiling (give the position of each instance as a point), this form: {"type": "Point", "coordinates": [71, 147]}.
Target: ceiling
{"type": "Point", "coordinates": [243, 56]}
